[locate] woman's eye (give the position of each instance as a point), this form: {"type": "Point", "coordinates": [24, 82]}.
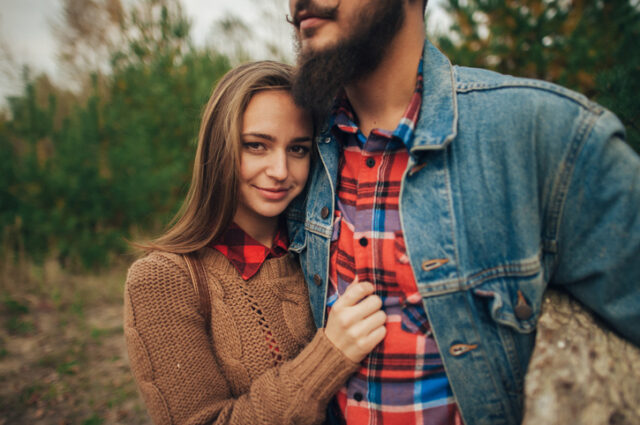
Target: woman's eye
{"type": "Point", "coordinates": [300, 150]}
{"type": "Point", "coordinates": [253, 146]}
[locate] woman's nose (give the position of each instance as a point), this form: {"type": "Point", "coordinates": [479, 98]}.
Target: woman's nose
{"type": "Point", "coordinates": [278, 168]}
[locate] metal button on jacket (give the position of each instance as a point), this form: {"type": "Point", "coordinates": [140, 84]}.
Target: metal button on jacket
{"type": "Point", "coordinates": [522, 310]}
{"type": "Point", "coordinates": [324, 212]}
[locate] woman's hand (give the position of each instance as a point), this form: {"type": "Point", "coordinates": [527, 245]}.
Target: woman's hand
{"type": "Point", "coordinates": [356, 323]}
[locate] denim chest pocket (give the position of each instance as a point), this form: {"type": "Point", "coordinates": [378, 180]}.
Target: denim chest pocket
{"type": "Point", "coordinates": [513, 299]}
{"type": "Point", "coordinates": [509, 304]}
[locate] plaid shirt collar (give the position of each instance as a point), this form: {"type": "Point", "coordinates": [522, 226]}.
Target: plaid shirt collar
{"type": "Point", "coordinates": [345, 120]}
{"type": "Point", "coordinates": [247, 254]}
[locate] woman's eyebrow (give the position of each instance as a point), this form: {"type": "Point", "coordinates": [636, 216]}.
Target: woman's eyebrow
{"type": "Point", "coordinates": [259, 135]}
{"type": "Point", "coordinates": [301, 139]}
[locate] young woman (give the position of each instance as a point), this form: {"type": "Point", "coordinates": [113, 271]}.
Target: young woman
{"type": "Point", "coordinates": [259, 359]}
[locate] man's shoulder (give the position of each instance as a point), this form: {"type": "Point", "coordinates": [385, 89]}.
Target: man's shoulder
{"type": "Point", "coordinates": [515, 114]}
{"type": "Point", "coordinates": [471, 80]}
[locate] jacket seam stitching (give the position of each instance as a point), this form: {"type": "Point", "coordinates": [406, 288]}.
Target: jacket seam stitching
{"type": "Point", "coordinates": [534, 85]}
{"type": "Point", "coordinates": [525, 268]}
{"type": "Point", "coordinates": [561, 189]}
{"type": "Point", "coordinates": [447, 178]}
{"type": "Point", "coordinates": [522, 269]}
{"type": "Point", "coordinates": [498, 272]}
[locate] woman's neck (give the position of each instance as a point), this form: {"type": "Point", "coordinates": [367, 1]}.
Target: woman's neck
{"type": "Point", "coordinates": [262, 229]}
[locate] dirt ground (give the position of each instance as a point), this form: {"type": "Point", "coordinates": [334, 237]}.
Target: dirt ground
{"type": "Point", "coordinates": [63, 359]}
{"type": "Point", "coordinates": [62, 354]}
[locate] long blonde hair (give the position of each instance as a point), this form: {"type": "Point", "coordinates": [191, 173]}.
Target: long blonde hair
{"type": "Point", "coordinates": [211, 202]}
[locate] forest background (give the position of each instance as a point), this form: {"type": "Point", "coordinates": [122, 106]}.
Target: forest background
{"type": "Point", "coordinates": [87, 167]}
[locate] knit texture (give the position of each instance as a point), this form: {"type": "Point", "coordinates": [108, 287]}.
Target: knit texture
{"type": "Point", "coordinates": [264, 364]}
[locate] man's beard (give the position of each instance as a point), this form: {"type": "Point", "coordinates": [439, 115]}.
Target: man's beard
{"type": "Point", "coordinates": [320, 75]}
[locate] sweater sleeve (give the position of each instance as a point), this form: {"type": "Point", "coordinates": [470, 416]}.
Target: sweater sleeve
{"type": "Point", "coordinates": [175, 368]}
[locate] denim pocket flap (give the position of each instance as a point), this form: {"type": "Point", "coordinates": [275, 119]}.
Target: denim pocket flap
{"type": "Point", "coordinates": [513, 301]}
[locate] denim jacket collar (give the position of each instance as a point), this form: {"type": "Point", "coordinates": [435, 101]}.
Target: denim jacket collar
{"type": "Point", "coordinates": [438, 120]}
{"type": "Point", "coordinates": [437, 124]}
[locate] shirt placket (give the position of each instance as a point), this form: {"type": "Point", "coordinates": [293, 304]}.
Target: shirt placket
{"type": "Point", "coordinates": [364, 235]}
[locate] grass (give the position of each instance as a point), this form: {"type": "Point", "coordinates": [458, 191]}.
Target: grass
{"type": "Point", "coordinates": [14, 307]}
{"type": "Point", "coordinates": [62, 353]}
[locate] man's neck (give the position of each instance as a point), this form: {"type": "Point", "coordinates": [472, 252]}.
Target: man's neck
{"type": "Point", "coordinates": [381, 98]}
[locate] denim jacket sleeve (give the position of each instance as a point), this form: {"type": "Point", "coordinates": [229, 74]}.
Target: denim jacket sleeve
{"type": "Point", "coordinates": [597, 243]}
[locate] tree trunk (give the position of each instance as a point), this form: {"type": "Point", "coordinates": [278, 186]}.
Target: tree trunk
{"type": "Point", "coordinates": [580, 373]}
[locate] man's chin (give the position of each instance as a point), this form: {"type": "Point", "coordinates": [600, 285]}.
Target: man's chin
{"type": "Point", "coordinates": [315, 45]}
{"type": "Point", "coordinates": [328, 62]}
{"type": "Point", "coordinates": [307, 49]}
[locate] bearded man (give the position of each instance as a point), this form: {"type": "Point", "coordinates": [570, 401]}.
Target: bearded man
{"type": "Point", "coordinates": [461, 194]}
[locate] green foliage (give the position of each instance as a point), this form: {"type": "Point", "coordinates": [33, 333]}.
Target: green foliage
{"type": "Point", "coordinates": [119, 161]}
{"type": "Point", "coordinates": [13, 306]}
{"type": "Point", "coordinates": [617, 91]}
{"type": "Point", "coordinates": [589, 46]}
{"type": "Point", "coordinates": [15, 312]}
{"type": "Point", "coordinates": [68, 368]}
{"type": "Point", "coordinates": [81, 174]}
{"type": "Point", "coordinates": [93, 420]}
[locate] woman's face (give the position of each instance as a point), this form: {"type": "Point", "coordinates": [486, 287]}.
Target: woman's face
{"type": "Point", "coordinates": [275, 156]}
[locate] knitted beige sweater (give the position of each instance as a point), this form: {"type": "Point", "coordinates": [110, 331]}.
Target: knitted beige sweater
{"type": "Point", "coordinates": [258, 367]}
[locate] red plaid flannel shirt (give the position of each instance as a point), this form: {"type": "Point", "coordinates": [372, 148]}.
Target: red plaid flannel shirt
{"type": "Point", "coordinates": [247, 254]}
{"type": "Point", "coordinates": [403, 379]}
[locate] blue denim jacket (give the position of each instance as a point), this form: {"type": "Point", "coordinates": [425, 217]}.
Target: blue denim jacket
{"type": "Point", "coordinates": [512, 185]}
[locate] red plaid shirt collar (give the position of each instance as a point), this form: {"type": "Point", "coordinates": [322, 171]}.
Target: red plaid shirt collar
{"type": "Point", "coordinates": [247, 254]}
{"type": "Point", "coordinates": [345, 119]}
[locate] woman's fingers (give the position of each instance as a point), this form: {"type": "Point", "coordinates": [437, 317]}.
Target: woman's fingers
{"type": "Point", "coordinates": [355, 292]}
{"type": "Point", "coordinates": [357, 341]}
{"type": "Point", "coordinates": [356, 322]}
{"type": "Point", "coordinates": [374, 338]}
{"type": "Point", "coordinates": [349, 314]}
{"type": "Point", "coordinates": [369, 324]}
{"type": "Point", "coordinates": [367, 306]}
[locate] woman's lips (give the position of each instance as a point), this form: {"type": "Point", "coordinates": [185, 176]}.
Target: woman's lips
{"type": "Point", "coordinates": [275, 194]}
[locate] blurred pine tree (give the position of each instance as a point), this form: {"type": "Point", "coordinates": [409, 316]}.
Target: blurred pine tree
{"type": "Point", "coordinates": [114, 161]}
{"type": "Point", "coordinates": [587, 45]}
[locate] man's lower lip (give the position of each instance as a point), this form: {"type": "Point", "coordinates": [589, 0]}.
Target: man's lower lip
{"type": "Point", "coordinates": [310, 23]}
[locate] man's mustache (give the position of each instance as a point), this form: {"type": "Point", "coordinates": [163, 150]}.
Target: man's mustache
{"type": "Point", "coordinates": [308, 8]}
